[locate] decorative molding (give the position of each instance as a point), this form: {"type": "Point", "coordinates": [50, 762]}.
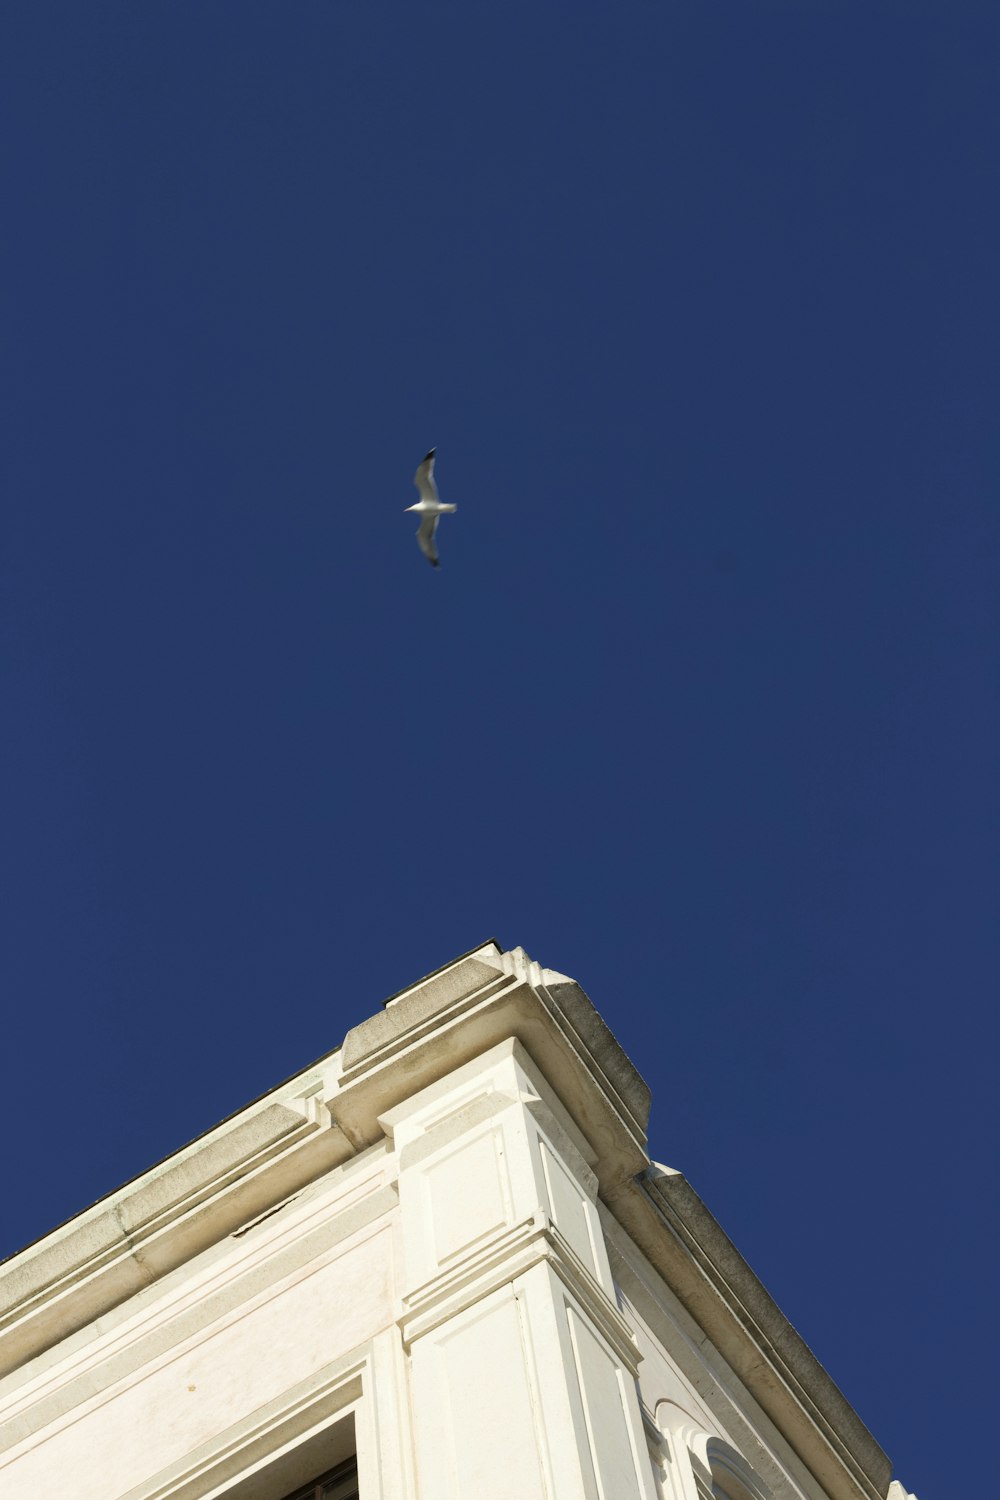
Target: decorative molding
{"type": "Point", "coordinates": [712, 1458]}
{"type": "Point", "coordinates": [510, 1254]}
{"type": "Point", "coordinates": [195, 1310]}
{"type": "Point", "coordinates": [305, 1409]}
{"type": "Point", "coordinates": [656, 1439]}
{"type": "Point", "coordinates": [518, 965]}
{"type": "Point", "coordinates": [235, 1176]}
{"type": "Point", "coordinates": [461, 1012]}
{"type": "Point", "coordinates": [125, 1243]}
{"type": "Point", "coordinates": [664, 1217]}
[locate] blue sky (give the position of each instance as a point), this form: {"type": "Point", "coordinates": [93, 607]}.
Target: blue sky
{"type": "Point", "coordinates": [699, 304]}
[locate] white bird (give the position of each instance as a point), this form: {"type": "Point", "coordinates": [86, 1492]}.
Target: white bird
{"type": "Point", "coordinates": [429, 508]}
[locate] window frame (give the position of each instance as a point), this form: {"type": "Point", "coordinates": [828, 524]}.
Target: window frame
{"type": "Point", "coordinates": [340, 1483]}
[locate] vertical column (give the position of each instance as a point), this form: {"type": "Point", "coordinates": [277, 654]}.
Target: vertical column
{"type": "Point", "coordinates": [522, 1369]}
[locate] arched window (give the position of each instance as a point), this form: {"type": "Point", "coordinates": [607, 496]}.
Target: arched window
{"type": "Point", "coordinates": [730, 1476]}
{"type": "Point", "coordinates": [715, 1469]}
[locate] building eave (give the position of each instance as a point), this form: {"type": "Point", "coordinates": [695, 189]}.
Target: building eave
{"type": "Point", "coordinates": [686, 1245]}
{"type": "Point", "coordinates": [324, 1115]}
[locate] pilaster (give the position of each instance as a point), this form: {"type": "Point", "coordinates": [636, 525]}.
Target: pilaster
{"type": "Point", "coordinates": [522, 1367]}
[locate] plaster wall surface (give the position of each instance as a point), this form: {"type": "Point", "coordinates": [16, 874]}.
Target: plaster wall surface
{"type": "Point", "coordinates": [225, 1335]}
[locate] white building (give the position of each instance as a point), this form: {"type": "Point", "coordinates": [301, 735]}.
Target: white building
{"type": "Point", "coordinates": [436, 1265]}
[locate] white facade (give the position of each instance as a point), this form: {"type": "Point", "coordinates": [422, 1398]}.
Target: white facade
{"type": "Point", "coordinates": [442, 1248]}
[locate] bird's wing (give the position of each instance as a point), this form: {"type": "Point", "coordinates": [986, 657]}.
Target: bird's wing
{"type": "Point", "coordinates": [425, 539]}
{"type": "Point", "coordinates": [424, 477]}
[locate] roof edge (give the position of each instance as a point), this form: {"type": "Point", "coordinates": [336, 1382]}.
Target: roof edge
{"type": "Point", "coordinates": [687, 1246]}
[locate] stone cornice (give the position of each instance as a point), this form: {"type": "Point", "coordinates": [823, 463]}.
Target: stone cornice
{"type": "Point", "coordinates": [486, 998]}
{"type": "Point", "coordinates": [496, 1264]}
{"type": "Point", "coordinates": [320, 1119]}
{"type": "Point", "coordinates": [127, 1241]}
{"type": "Point", "coordinates": [686, 1245]}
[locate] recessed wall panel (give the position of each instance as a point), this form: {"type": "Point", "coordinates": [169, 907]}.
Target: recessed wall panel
{"type": "Point", "coordinates": [566, 1205]}
{"type": "Point", "coordinates": [614, 1465]}
{"type": "Point", "coordinates": [484, 1431]}
{"type": "Point", "coordinates": [466, 1195]}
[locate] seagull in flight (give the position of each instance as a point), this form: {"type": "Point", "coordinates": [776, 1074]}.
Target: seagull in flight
{"type": "Point", "coordinates": [429, 508]}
